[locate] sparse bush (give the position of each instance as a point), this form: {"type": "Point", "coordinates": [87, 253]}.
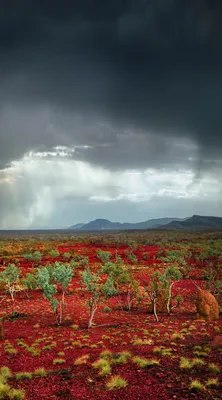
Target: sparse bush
{"type": "Point", "coordinates": [107, 309]}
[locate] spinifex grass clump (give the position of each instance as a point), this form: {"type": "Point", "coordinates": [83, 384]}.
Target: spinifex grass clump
{"type": "Point", "coordinates": [212, 382]}
{"type": "Point", "coordinates": [116, 382]}
{"type": "Point", "coordinates": [82, 360]}
{"type": "Point", "coordinates": [197, 361]}
{"type": "Point", "coordinates": [6, 392]}
{"type": "Point", "coordinates": [185, 363]}
{"type": "Point", "coordinates": [103, 365]}
{"type": "Point", "coordinates": [23, 375]}
{"type": "Point", "coordinates": [121, 358]}
{"type": "Point", "coordinates": [214, 368]}
{"type": "Point", "coordinates": [59, 361]}
{"type": "Point", "coordinates": [196, 385]}
{"type": "Point", "coordinates": [143, 362]}
{"type": "Point", "coordinates": [41, 372]}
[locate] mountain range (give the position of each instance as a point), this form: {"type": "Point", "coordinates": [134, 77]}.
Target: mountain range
{"type": "Point", "coordinates": [196, 222]}
{"type": "Point", "coordinates": [105, 224]}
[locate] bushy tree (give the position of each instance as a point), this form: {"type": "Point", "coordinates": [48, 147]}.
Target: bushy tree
{"type": "Point", "coordinates": [51, 279]}
{"type": "Point", "coordinates": [123, 282]}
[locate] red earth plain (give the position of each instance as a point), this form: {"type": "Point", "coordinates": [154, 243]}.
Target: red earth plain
{"type": "Point", "coordinates": [126, 354]}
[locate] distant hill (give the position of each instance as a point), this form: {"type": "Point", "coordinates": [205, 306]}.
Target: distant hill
{"type": "Point", "coordinates": [105, 224]}
{"type": "Point", "coordinates": [196, 222]}
{"type": "Point", "coordinates": [76, 226]}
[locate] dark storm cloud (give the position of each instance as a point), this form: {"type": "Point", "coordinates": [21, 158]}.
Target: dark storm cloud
{"type": "Point", "coordinates": [141, 66]}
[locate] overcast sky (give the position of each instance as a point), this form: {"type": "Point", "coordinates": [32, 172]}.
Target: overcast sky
{"type": "Point", "coordinates": [109, 109]}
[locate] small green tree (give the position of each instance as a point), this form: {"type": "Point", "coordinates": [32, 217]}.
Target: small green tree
{"type": "Point", "coordinates": [34, 257]}
{"type": "Point", "coordinates": [123, 282]}
{"type": "Point", "coordinates": [97, 289]}
{"type": "Point", "coordinates": [62, 275]}
{"type": "Point", "coordinates": [10, 277]}
{"type": "Point", "coordinates": [29, 281]}
{"type": "Point", "coordinates": [169, 278]}
{"type": "Point", "coordinates": [49, 289]}
{"type": "Point", "coordinates": [132, 257]}
{"type": "Point", "coordinates": [153, 290]}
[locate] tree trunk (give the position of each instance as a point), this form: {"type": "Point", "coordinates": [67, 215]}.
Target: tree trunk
{"type": "Point", "coordinates": [92, 313]}
{"type": "Point", "coordinates": [129, 301]}
{"type": "Point", "coordinates": [154, 309]}
{"type": "Point", "coordinates": [169, 298]}
{"type": "Point", "coordinates": [62, 306]}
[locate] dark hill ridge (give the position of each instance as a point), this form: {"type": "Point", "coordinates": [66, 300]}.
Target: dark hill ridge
{"type": "Point", "coordinates": [196, 222]}
{"type": "Point", "coordinates": [105, 224]}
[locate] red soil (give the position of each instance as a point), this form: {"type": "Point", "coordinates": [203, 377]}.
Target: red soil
{"type": "Point", "coordinates": [117, 331]}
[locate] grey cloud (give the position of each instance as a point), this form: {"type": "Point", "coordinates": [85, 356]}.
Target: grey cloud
{"type": "Point", "coordinates": [154, 66]}
{"type": "Point", "coordinates": [139, 82]}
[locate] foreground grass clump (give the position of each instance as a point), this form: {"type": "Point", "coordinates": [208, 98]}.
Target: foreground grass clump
{"type": "Point", "coordinates": [214, 368]}
{"type": "Point", "coordinates": [116, 382]}
{"type": "Point", "coordinates": [5, 390]}
{"type": "Point", "coordinates": [177, 336]}
{"type": "Point", "coordinates": [23, 375]}
{"type": "Point", "coordinates": [143, 362]}
{"type": "Point", "coordinates": [196, 385]}
{"type": "Point", "coordinates": [82, 360]}
{"type": "Point", "coordinates": [40, 372]}
{"type": "Point", "coordinates": [5, 372]}
{"type": "Point", "coordinates": [106, 354]}
{"type": "Point", "coordinates": [197, 361]}
{"type": "Point", "coordinates": [16, 394]}
{"type": "Point", "coordinates": [121, 358]}
{"type": "Point", "coordinates": [185, 363]}
{"type": "Point", "coordinates": [103, 365]}
{"type": "Point", "coordinates": [58, 361]}
{"type": "Point", "coordinates": [212, 382]}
